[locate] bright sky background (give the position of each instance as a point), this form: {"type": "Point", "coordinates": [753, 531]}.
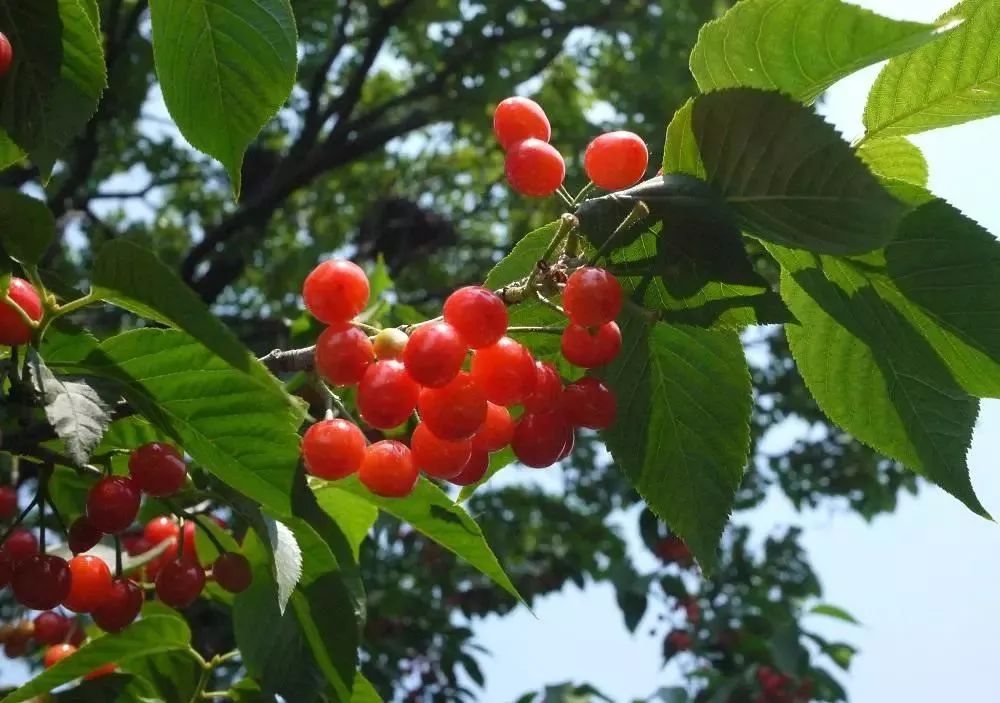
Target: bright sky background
{"type": "Point", "coordinates": [922, 581]}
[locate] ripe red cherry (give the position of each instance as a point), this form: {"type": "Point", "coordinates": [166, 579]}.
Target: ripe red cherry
{"type": "Point", "coordinates": [517, 119]}
{"type": "Point", "coordinates": [89, 585]}
{"type": "Point", "coordinates": [160, 529]}
{"type": "Point", "coordinates": [616, 160]}
{"type": "Point", "coordinates": [390, 343]}
{"type": "Point", "coordinates": [587, 349]}
{"type": "Point", "coordinates": [157, 469]}
{"type": "Point", "coordinates": [6, 54]}
{"type": "Point", "coordinates": [121, 606]}
{"type": "Point", "coordinates": [387, 395]}
{"type": "Point", "coordinates": [478, 314]}
{"type": "Point", "coordinates": [6, 570]}
{"type": "Point", "coordinates": [592, 297]}
{"type": "Point", "coordinates": [534, 168]}
{"type": "Point", "coordinates": [389, 470]}
{"type": "Point", "coordinates": [336, 291]}
{"type": "Point", "coordinates": [83, 536]}
{"type": "Point", "coordinates": [568, 447]}
{"type": "Point", "coordinates": [112, 504]}
{"type": "Point", "coordinates": [180, 583]}
{"type": "Point", "coordinates": [343, 353]}
{"type": "Point", "coordinates": [333, 449]}
{"type": "Point", "coordinates": [589, 403]}
{"type": "Point", "coordinates": [232, 572]}
{"type": "Point", "coordinates": [41, 582]}
{"type": "Point", "coordinates": [506, 371]}
{"type": "Point", "coordinates": [51, 628]}
{"type": "Point", "coordinates": [56, 653]}
{"type": "Point", "coordinates": [13, 329]}
{"type": "Point", "coordinates": [434, 354]}
{"type": "Point", "coordinates": [496, 431]}
{"type": "Point", "coordinates": [456, 411]}
{"type": "Point", "coordinates": [438, 457]}
{"type": "Point", "coordinates": [474, 469]}
{"type": "Point", "coordinates": [20, 545]}
{"type": "Point", "coordinates": [8, 502]}
{"type": "Point", "coordinates": [548, 388]}
{"type": "Point", "coordinates": [100, 671]}
{"type": "Point", "coordinates": [540, 438]}
{"type": "Point", "coordinates": [190, 542]}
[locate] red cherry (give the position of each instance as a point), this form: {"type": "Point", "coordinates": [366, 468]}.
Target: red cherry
{"type": "Point", "coordinates": [8, 502]}
{"type": "Point", "coordinates": [616, 160]}
{"type": "Point", "coordinates": [157, 469]}
{"type": "Point", "coordinates": [77, 635]}
{"type": "Point", "coordinates": [13, 329]}
{"type": "Point", "coordinates": [15, 649]}
{"type": "Point", "coordinates": [41, 582]}
{"type": "Point", "coordinates": [388, 469]}
{"type": "Point", "coordinates": [6, 55]}
{"type": "Point", "coordinates": [589, 403]}
{"type": "Point", "coordinates": [390, 343]}
{"type": "Point", "coordinates": [6, 570]}
{"type": "Point", "coordinates": [121, 606]}
{"type": "Point", "coordinates": [506, 371]}
{"type": "Point", "coordinates": [582, 347]}
{"type": "Point", "coordinates": [534, 168]}
{"type": "Point", "coordinates": [136, 544]}
{"type": "Point", "coordinates": [180, 583]}
{"type": "Point", "coordinates": [56, 653]}
{"type": "Point", "coordinates": [387, 395]}
{"type": "Point", "coordinates": [456, 411]}
{"type": "Point", "coordinates": [232, 572]}
{"type": "Point", "coordinates": [478, 314]}
{"type": "Point", "coordinates": [51, 628]}
{"type": "Point", "coordinates": [540, 438]}
{"type": "Point", "coordinates": [333, 449]}
{"type": "Point", "coordinates": [112, 504]}
{"type": "Point", "coordinates": [437, 457]}
{"type": "Point", "coordinates": [190, 543]}
{"type": "Point", "coordinates": [160, 529]}
{"type": "Point", "coordinates": [496, 431]}
{"type": "Point", "coordinates": [548, 388]}
{"type": "Point", "coordinates": [434, 354]}
{"type": "Point", "coordinates": [474, 469]}
{"type": "Point", "coordinates": [336, 291]}
{"type": "Point", "coordinates": [20, 544]}
{"type": "Point", "coordinates": [679, 640]}
{"type": "Point", "coordinates": [343, 353]}
{"type": "Point", "coordinates": [100, 671]}
{"type": "Point", "coordinates": [83, 536]}
{"type": "Point", "coordinates": [592, 297]}
{"type": "Point", "coordinates": [517, 119]}
{"type": "Point", "coordinates": [568, 447]}
{"type": "Point", "coordinates": [89, 585]}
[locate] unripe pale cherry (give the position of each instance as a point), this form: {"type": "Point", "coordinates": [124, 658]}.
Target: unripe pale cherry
{"type": "Point", "coordinates": [389, 343]}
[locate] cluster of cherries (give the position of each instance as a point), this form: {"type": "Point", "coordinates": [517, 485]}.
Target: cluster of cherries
{"type": "Point", "coordinates": [533, 167]}
{"type": "Point", "coordinates": [464, 415]}
{"type": "Point", "coordinates": [778, 687]}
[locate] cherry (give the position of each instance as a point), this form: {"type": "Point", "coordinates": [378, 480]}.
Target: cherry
{"type": "Point", "coordinates": [506, 371]}
{"type": "Point", "coordinates": [232, 572]}
{"type": "Point", "coordinates": [179, 583]}
{"type": "Point", "coordinates": [517, 119]}
{"type": "Point", "coordinates": [89, 585]}
{"type": "Point", "coordinates": [160, 529]}
{"type": "Point", "coordinates": [157, 469]}
{"type": "Point", "coordinates": [112, 504]}
{"type": "Point", "coordinates": [15, 649]}
{"type": "Point", "coordinates": [333, 449]}
{"type": "Point", "coordinates": [568, 447]}
{"type": "Point", "coordinates": [100, 671]}
{"type": "Point", "coordinates": [437, 457]}
{"type": "Point", "coordinates": [77, 635]}
{"type": "Point", "coordinates": [56, 653]}
{"type": "Point", "coordinates": [434, 354]}
{"type": "Point", "coordinates": [51, 628]}
{"type": "Point", "coordinates": [41, 582]}
{"type": "Point", "coordinates": [13, 329]}
{"type": "Point", "coordinates": [496, 431]}
{"type": "Point", "coordinates": [136, 544]}
{"type": "Point", "coordinates": [534, 168]}
{"type": "Point", "coordinates": [20, 545]}
{"type": "Point", "coordinates": [548, 388]}
{"type": "Point", "coordinates": [592, 297]}
{"type": "Point", "coordinates": [582, 347]}
{"type": "Point", "coordinates": [336, 291]}
{"type": "Point", "coordinates": [389, 343]}
{"type": "Point", "coordinates": [589, 403]}
{"type": "Point", "coordinates": [474, 469]}
{"type": "Point", "coordinates": [616, 160]}
{"type": "Point", "coordinates": [6, 54]}
{"type": "Point", "coordinates": [83, 536]}
{"type": "Point", "coordinates": [456, 411]}
{"type": "Point", "coordinates": [387, 395]}
{"type": "Point", "coordinates": [8, 502]}
{"type": "Point", "coordinates": [540, 438]}
{"type": "Point", "coordinates": [6, 570]}
{"type": "Point", "coordinates": [478, 314]}
{"type": "Point", "coordinates": [190, 542]}
{"type": "Point", "coordinates": [388, 469]}
{"type": "Point", "coordinates": [343, 353]}
{"type": "Point", "coordinates": [679, 640]}
{"type": "Point", "coordinates": [121, 605]}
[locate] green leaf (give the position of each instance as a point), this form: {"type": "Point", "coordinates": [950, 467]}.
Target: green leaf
{"type": "Point", "coordinates": [522, 258]}
{"type": "Point", "coordinates": [951, 81]}
{"type": "Point", "coordinates": [363, 691]}
{"type": "Point", "coordinates": [682, 434]}
{"type": "Point", "coordinates": [834, 611]}
{"type": "Point", "coordinates": [232, 59]}
{"type": "Point", "coordinates": [789, 176]}
{"type": "Point", "coordinates": [150, 635]}
{"type": "Point", "coordinates": [800, 47]}
{"type": "Point", "coordinates": [896, 158]}
{"type": "Point", "coordinates": [353, 514]}
{"type": "Point", "coordinates": [174, 676]}
{"type": "Point", "coordinates": [680, 151]}
{"type": "Point", "coordinates": [111, 688]}
{"type": "Point", "coordinates": [27, 227]}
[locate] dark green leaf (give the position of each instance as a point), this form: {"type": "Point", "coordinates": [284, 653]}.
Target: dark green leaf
{"type": "Point", "coordinates": [26, 226]}
{"type": "Point", "coordinates": [173, 676]}
{"type": "Point", "coordinates": [112, 688]}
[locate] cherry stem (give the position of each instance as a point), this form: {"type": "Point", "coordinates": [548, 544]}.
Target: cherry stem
{"type": "Point", "coordinates": [118, 556]}
{"type": "Point", "coordinates": [56, 515]}
{"type": "Point", "coordinates": [583, 193]}
{"type": "Point", "coordinates": [197, 520]}
{"type": "Point", "coordinates": [548, 303]}
{"type": "Point", "coordinates": [42, 499]}
{"type": "Point", "coordinates": [544, 330]}
{"type": "Point", "coordinates": [564, 194]}
{"type": "Point", "coordinates": [567, 223]}
{"type": "Point", "coordinates": [334, 400]}
{"type": "Point", "coordinates": [19, 520]}
{"type": "Point", "coordinates": [371, 329]}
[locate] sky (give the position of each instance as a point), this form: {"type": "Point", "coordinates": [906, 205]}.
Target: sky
{"type": "Point", "coordinates": [922, 581]}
